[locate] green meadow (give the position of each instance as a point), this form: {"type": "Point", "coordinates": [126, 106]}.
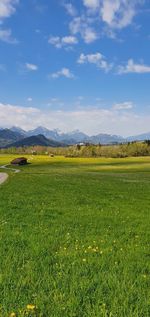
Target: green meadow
{"type": "Point", "coordinates": [75, 238]}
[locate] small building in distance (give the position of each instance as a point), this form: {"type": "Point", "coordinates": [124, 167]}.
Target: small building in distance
{"type": "Point", "coordinates": [19, 161]}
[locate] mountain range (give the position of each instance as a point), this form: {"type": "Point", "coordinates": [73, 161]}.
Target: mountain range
{"type": "Point", "coordinates": [16, 137]}
{"type": "Point", "coordinates": [36, 140]}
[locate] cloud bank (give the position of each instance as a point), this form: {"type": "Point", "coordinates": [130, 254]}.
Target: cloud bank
{"type": "Point", "coordinates": [119, 119]}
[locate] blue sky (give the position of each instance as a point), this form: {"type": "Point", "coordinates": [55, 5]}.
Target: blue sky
{"type": "Point", "coordinates": [80, 64]}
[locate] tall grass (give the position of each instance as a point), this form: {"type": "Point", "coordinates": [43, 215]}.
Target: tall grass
{"type": "Point", "coordinates": [74, 238]}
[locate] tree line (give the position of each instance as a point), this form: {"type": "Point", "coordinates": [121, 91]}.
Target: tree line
{"type": "Point", "coordinates": [115, 151]}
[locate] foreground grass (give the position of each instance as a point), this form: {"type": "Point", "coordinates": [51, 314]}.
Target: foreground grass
{"type": "Point", "coordinates": [74, 238]}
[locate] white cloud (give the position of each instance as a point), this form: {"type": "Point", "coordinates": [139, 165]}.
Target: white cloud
{"type": "Point", "coordinates": [65, 41]}
{"type": "Point", "coordinates": [91, 4]}
{"type": "Point", "coordinates": [98, 59]}
{"type": "Point", "coordinates": [31, 67]}
{"type": "Point", "coordinates": [69, 40]}
{"type": "Point", "coordinates": [18, 109]}
{"type": "Point", "coordinates": [64, 72]}
{"type": "Point", "coordinates": [7, 8]}
{"type": "Point", "coordinates": [82, 25]}
{"type": "Point", "coordinates": [123, 106]}
{"type": "Point", "coordinates": [118, 13]}
{"type": "Point", "coordinates": [92, 120]}
{"type": "Point", "coordinates": [90, 58]}
{"type": "Point", "coordinates": [29, 99]}
{"type": "Point", "coordinates": [102, 18]}
{"type": "Point", "coordinates": [55, 40]}
{"type": "Point", "coordinates": [6, 36]}
{"type": "Point", "coordinates": [89, 35]}
{"type": "Point", "coordinates": [107, 16]}
{"type": "Point", "coordinates": [109, 10]}
{"type": "Point", "coordinates": [71, 10]}
{"type": "Point", "coordinates": [132, 67]}
{"type": "Point", "coordinates": [20, 116]}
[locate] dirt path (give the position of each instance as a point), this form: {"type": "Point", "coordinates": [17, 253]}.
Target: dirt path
{"type": "Point", "coordinates": [9, 168]}
{"type": "Point", "coordinates": [3, 177]}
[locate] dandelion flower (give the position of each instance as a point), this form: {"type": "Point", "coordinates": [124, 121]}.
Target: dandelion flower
{"type": "Point", "coordinates": [84, 260]}
{"type": "Point", "coordinates": [94, 250]}
{"type": "Point", "coordinates": [12, 315]}
{"type": "Point", "coordinates": [30, 307]}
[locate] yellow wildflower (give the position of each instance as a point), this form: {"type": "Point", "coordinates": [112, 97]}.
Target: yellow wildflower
{"type": "Point", "coordinates": [30, 307]}
{"type": "Point", "coordinates": [84, 260]}
{"type": "Point", "coordinates": [94, 250]}
{"type": "Point", "coordinates": [12, 315]}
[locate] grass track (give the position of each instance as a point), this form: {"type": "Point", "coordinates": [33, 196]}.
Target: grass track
{"type": "Point", "coordinates": [74, 238]}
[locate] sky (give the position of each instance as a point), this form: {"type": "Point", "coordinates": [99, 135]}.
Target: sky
{"type": "Point", "coordinates": [78, 64]}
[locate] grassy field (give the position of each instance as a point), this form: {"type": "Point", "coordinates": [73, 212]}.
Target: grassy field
{"type": "Point", "coordinates": [74, 238]}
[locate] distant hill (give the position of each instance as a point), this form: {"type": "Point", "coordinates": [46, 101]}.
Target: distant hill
{"type": "Point", "coordinates": [140, 137]}
{"type": "Point", "coordinates": [50, 134]}
{"type": "Point", "coordinates": [106, 139]}
{"type": "Point", "coordinates": [73, 137]}
{"type": "Point", "coordinates": [19, 130]}
{"type": "Point", "coordinates": [10, 136]}
{"type": "Point", "coordinates": [35, 140]}
{"type": "Point", "coordinates": [7, 137]}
